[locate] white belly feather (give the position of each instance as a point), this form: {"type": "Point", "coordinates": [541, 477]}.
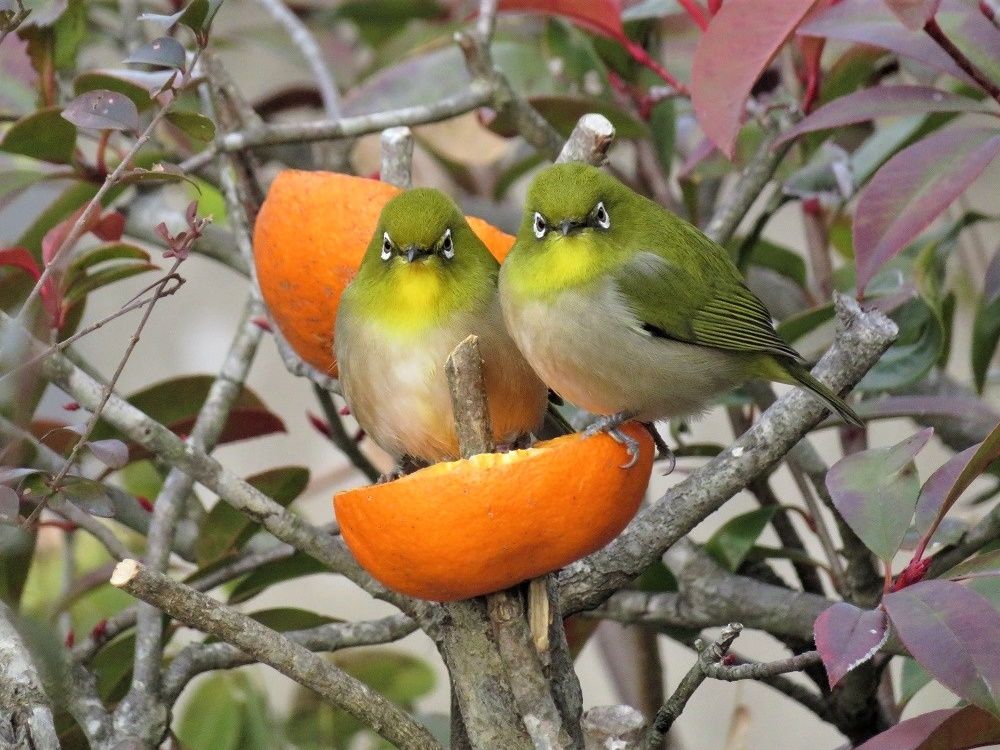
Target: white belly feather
{"type": "Point", "coordinates": [591, 350]}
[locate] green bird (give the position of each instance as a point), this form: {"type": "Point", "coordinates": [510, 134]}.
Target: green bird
{"type": "Point", "coordinates": [631, 312]}
{"type": "Point", "coordinates": [426, 282]}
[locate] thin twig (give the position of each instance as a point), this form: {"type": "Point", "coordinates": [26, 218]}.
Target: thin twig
{"type": "Point", "coordinates": [935, 32]}
{"type": "Point", "coordinates": [269, 647]}
{"type": "Point", "coordinates": [477, 95]}
{"type": "Point", "coordinates": [676, 703]}
{"type": "Point", "coordinates": [306, 44]}
{"type": "Point", "coordinates": [760, 670]}
{"type": "Point", "coordinates": [339, 437]}
{"type": "Point", "coordinates": [198, 658]}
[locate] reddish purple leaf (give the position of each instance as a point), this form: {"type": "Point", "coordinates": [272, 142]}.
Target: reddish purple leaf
{"type": "Point", "coordinates": [876, 490]}
{"type": "Point", "coordinates": [913, 188]}
{"type": "Point", "coordinates": [871, 22]}
{"type": "Point", "coordinates": [985, 565]}
{"type": "Point", "coordinates": [952, 631]}
{"type": "Point", "coordinates": [913, 13]}
{"type": "Point", "coordinates": [947, 729]}
{"type": "Point", "coordinates": [602, 16]}
{"type": "Point", "coordinates": [163, 52]}
{"type": "Point", "coordinates": [847, 636]}
{"type": "Point", "coordinates": [18, 257]}
{"type": "Point", "coordinates": [750, 32]}
{"type": "Point", "coordinates": [947, 484]}
{"type": "Point", "coordinates": [11, 474]}
{"type": "Point", "coordinates": [882, 101]}
{"type": "Point", "coordinates": [112, 453]}
{"type": "Point", "coordinates": [958, 406]}
{"type": "Point", "coordinates": [243, 424]}
{"type": "Point", "coordinates": [10, 502]}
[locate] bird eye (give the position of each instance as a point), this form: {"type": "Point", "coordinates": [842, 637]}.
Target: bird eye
{"type": "Point", "coordinates": [539, 225]}
{"type": "Point", "coordinates": [602, 217]}
{"type": "Point", "coordinates": [447, 246]}
{"type": "Point", "coordinates": [386, 246]}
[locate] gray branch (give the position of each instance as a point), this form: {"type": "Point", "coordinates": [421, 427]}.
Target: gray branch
{"type": "Point", "coordinates": [676, 703]}
{"type": "Point", "coordinates": [397, 157]}
{"type": "Point", "coordinates": [762, 670]}
{"type": "Point", "coordinates": [269, 647]}
{"type": "Point", "coordinates": [305, 43]}
{"type": "Point", "coordinates": [26, 722]}
{"type": "Point", "coordinates": [203, 657]}
{"type": "Point", "coordinates": [589, 142]}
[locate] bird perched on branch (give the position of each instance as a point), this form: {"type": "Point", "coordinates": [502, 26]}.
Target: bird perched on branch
{"type": "Point", "coordinates": [629, 311]}
{"type": "Point", "coordinates": [427, 282]}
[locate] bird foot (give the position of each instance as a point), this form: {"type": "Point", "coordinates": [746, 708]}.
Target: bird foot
{"type": "Point", "coordinates": [663, 452]}
{"type": "Point", "coordinates": [405, 466]}
{"type": "Point", "coordinates": [610, 424]}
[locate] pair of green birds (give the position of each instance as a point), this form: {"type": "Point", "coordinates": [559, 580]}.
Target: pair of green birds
{"type": "Point", "coordinates": [607, 298]}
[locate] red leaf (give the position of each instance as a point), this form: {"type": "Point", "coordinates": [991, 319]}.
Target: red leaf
{"type": "Point", "coordinates": [912, 189]}
{"type": "Point", "coordinates": [750, 32]}
{"type": "Point", "coordinates": [602, 16]}
{"type": "Point", "coordinates": [847, 637]}
{"type": "Point", "coordinates": [947, 729]}
{"type": "Point", "coordinates": [243, 424]}
{"type": "Point", "coordinates": [913, 13]}
{"type": "Point", "coordinates": [881, 101]}
{"type": "Point", "coordinates": [18, 257]}
{"type": "Point", "coordinates": [952, 631]}
{"type": "Point", "coordinates": [110, 226]}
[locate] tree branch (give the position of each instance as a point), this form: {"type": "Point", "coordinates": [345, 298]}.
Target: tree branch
{"type": "Point", "coordinates": [672, 709]}
{"type": "Point", "coordinates": [27, 716]}
{"type": "Point", "coordinates": [203, 657]}
{"type": "Point", "coordinates": [269, 647]}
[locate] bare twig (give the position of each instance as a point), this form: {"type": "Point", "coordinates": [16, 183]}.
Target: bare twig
{"type": "Point", "coordinates": [676, 703]}
{"type": "Point", "coordinates": [339, 437]}
{"type": "Point", "coordinates": [477, 95]}
{"type": "Point", "coordinates": [26, 720]}
{"type": "Point", "coordinates": [269, 647]}
{"type": "Point", "coordinates": [306, 44]}
{"type": "Point", "coordinates": [935, 32]}
{"type": "Point", "coordinates": [762, 670]}
{"type": "Point", "coordinates": [397, 157]}
{"type": "Point", "coordinates": [203, 657]}
{"type": "Point", "coordinates": [505, 609]}
{"type": "Point", "coordinates": [589, 142]}
{"type": "Point", "coordinates": [135, 710]}
{"type": "Point", "coordinates": [487, 20]}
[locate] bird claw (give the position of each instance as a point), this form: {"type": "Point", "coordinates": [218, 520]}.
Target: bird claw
{"type": "Point", "coordinates": [405, 466]}
{"type": "Point", "coordinates": [663, 450]}
{"type": "Point", "coordinates": [609, 424]}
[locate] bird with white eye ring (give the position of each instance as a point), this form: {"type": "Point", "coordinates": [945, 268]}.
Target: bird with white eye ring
{"type": "Point", "coordinates": [629, 311]}
{"type": "Point", "coordinates": [425, 283]}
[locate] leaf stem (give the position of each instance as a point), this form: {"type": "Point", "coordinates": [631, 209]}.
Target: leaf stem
{"type": "Point", "coordinates": [937, 34]}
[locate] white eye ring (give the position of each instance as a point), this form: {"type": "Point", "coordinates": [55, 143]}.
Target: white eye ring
{"type": "Point", "coordinates": [539, 226]}
{"type": "Point", "coordinates": [386, 246]}
{"type": "Point", "coordinates": [447, 246]}
{"type": "Point", "coordinates": [602, 217]}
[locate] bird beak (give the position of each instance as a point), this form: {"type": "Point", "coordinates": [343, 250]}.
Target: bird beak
{"type": "Point", "coordinates": [567, 226]}
{"type": "Point", "coordinates": [414, 252]}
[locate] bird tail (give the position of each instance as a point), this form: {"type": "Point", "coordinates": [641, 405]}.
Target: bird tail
{"type": "Point", "coordinates": [804, 378]}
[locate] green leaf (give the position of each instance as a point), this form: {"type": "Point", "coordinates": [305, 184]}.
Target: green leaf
{"type": "Point", "coordinates": [14, 182]}
{"type": "Point", "coordinates": [563, 112]}
{"type": "Point", "coordinates": [226, 529]}
{"type": "Point", "coordinates": [285, 619]}
{"type": "Point", "coordinates": [213, 717]}
{"type": "Point", "coordinates": [876, 492]}
{"type": "Point", "coordinates": [113, 667]}
{"type": "Point", "coordinates": [43, 135]}
{"type": "Point", "coordinates": [120, 81]}
{"type": "Point", "coordinates": [17, 548]}
{"type": "Point", "coordinates": [163, 52]}
{"type": "Point", "coordinates": [109, 251]}
{"type": "Point", "coordinates": [74, 195]}
{"type": "Point", "coordinates": [779, 259]}
{"type": "Point", "coordinates": [986, 327]}
{"type": "Point", "coordinates": [194, 124]}
{"type": "Point", "coordinates": [296, 566]}
{"type": "Point", "coordinates": [87, 283]}
{"type": "Point", "coordinates": [913, 678]}
{"type": "Point", "coordinates": [732, 542]}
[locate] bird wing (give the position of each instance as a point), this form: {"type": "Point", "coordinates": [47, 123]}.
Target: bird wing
{"type": "Point", "coordinates": [718, 310]}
